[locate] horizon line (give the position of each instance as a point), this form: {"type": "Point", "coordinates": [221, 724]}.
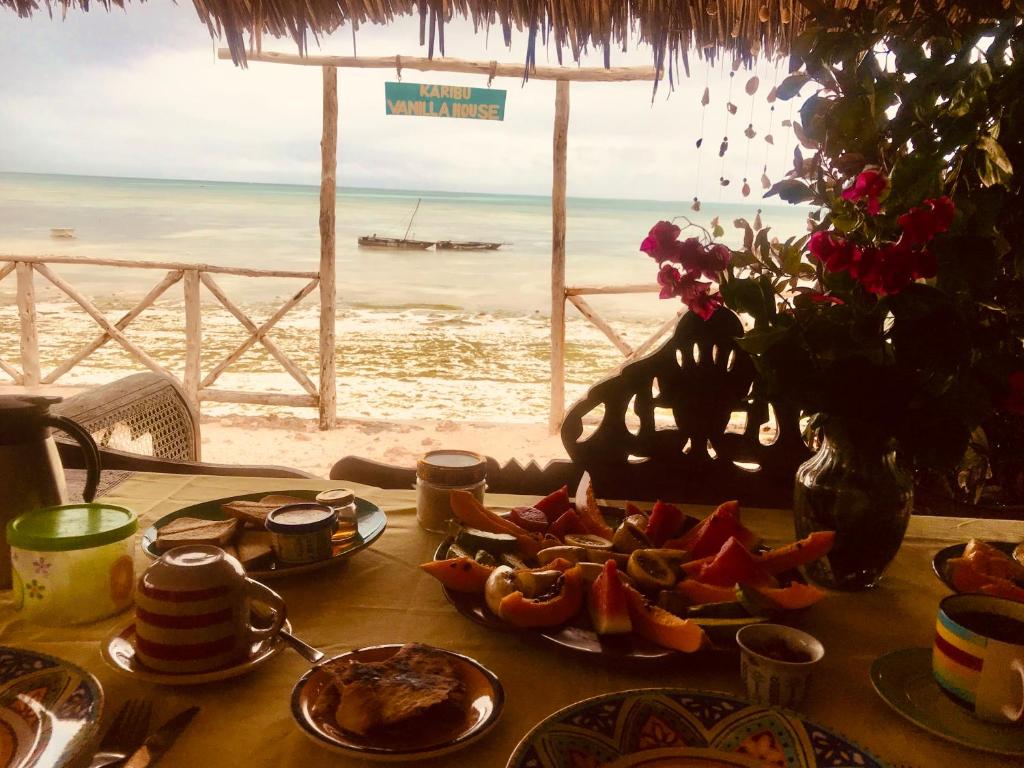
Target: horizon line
{"type": "Point", "coordinates": [759, 201]}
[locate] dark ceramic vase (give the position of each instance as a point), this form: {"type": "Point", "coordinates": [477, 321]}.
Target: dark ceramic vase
{"type": "Point", "coordinates": [853, 486]}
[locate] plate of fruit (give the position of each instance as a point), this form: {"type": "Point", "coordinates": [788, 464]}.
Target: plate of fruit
{"type": "Point", "coordinates": [619, 582]}
{"type": "Point", "coordinates": [988, 567]}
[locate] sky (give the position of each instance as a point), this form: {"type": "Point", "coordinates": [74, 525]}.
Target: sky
{"type": "Point", "coordinates": [140, 93]}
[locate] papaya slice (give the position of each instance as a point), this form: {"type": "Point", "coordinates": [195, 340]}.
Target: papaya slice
{"type": "Point", "coordinates": [474, 514]}
{"type": "Point", "coordinates": [459, 574]}
{"type": "Point", "coordinates": [699, 593]}
{"type": "Point", "coordinates": [555, 504]}
{"type": "Point", "coordinates": [767, 600]}
{"type": "Point", "coordinates": [993, 562]}
{"type": "Point", "coordinates": [735, 565]}
{"type": "Point", "coordinates": [587, 509]}
{"type": "Point", "coordinates": [661, 627]}
{"type": "Point", "coordinates": [1003, 588]}
{"type": "Point", "coordinates": [802, 552]}
{"type": "Point", "coordinates": [606, 601]}
{"type": "Point", "coordinates": [545, 610]}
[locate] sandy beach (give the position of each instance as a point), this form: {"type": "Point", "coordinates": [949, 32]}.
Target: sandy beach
{"type": "Point", "coordinates": [297, 442]}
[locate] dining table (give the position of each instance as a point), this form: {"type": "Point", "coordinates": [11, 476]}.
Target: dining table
{"type": "Point", "coordinates": [380, 596]}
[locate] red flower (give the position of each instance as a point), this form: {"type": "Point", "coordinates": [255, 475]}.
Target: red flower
{"type": "Point", "coordinates": [668, 279]}
{"type": "Point", "coordinates": [660, 243]}
{"type": "Point", "coordinates": [869, 184]}
{"type": "Point", "coordinates": [698, 297]}
{"type": "Point", "coordinates": [823, 298]}
{"type": "Point", "coordinates": [867, 269]}
{"type": "Point", "coordinates": [922, 223]}
{"type": "Point", "coordinates": [698, 260]}
{"type": "Point", "coordinates": [690, 254]}
{"type": "Point", "coordinates": [1014, 401]}
{"type": "Point", "coordinates": [834, 252]}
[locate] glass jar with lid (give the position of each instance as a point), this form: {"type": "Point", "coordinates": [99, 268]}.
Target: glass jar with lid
{"type": "Point", "coordinates": [440, 472]}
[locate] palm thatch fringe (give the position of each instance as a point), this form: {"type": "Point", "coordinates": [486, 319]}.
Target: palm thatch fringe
{"type": "Point", "coordinates": [742, 30]}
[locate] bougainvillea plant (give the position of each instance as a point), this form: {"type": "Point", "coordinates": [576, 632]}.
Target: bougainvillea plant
{"type": "Point", "coordinates": [842, 324]}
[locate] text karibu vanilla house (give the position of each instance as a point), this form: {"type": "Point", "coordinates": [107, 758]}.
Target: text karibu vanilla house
{"type": "Point", "coordinates": [422, 100]}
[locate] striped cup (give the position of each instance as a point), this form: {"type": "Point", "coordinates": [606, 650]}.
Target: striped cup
{"type": "Point", "coordinates": [192, 611]}
{"type": "Point", "coordinates": [978, 656]}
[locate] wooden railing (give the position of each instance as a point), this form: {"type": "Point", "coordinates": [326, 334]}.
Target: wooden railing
{"type": "Point", "coordinates": [198, 387]}
{"type": "Point", "coordinates": [574, 295]}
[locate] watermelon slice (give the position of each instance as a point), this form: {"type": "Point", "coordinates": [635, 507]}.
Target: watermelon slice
{"type": "Point", "coordinates": [708, 536]}
{"type": "Point", "coordinates": [663, 522]}
{"type": "Point", "coordinates": [555, 504]}
{"type": "Point", "coordinates": [735, 565]}
{"type": "Point", "coordinates": [609, 609]}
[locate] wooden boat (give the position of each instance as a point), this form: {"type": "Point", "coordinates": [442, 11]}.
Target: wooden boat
{"type": "Point", "coordinates": [62, 233]}
{"type": "Point", "coordinates": [466, 245]}
{"type": "Point", "coordinates": [401, 243]}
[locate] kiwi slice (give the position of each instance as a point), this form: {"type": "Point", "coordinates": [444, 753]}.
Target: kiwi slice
{"type": "Point", "coordinates": [587, 541]}
{"type": "Point", "coordinates": [650, 570]}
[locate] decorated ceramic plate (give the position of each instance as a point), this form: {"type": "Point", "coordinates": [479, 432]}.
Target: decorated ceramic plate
{"type": "Point", "coordinates": [673, 727]}
{"type": "Point", "coordinates": [50, 709]}
{"type": "Point", "coordinates": [370, 525]}
{"type": "Point", "coordinates": [904, 680]}
{"type": "Point", "coordinates": [946, 554]}
{"type": "Point", "coordinates": [315, 698]}
{"type": "Point", "coordinates": [579, 635]}
{"type": "Point", "coordinates": [118, 650]}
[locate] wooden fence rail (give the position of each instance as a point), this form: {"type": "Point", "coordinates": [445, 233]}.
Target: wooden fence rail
{"type": "Point", "coordinates": [193, 277]}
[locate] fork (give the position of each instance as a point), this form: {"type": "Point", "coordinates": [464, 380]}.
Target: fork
{"type": "Point", "coordinates": [125, 733]}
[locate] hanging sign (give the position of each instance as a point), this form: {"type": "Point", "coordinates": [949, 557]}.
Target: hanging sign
{"type": "Point", "coordinates": [444, 101]}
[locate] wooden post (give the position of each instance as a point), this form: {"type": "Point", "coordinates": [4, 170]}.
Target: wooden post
{"type": "Point", "coordinates": [560, 144]}
{"type": "Point", "coordinates": [193, 336]}
{"type": "Point", "coordinates": [27, 315]}
{"type": "Point", "coordinates": [328, 171]}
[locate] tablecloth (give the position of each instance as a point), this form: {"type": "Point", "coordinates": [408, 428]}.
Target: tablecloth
{"type": "Point", "coordinates": [380, 596]}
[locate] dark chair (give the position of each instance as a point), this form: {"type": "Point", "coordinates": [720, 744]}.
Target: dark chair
{"type": "Point", "coordinates": [680, 424]}
{"type": "Point", "coordinates": [683, 424]}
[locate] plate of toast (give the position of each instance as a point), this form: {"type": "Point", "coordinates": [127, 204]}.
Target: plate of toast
{"type": "Point", "coordinates": [237, 525]}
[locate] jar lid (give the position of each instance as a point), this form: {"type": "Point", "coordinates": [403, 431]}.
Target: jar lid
{"type": "Point", "coordinates": [71, 526]}
{"type": "Point", "coordinates": [337, 497]}
{"type": "Point", "coordinates": [451, 467]}
{"type": "Point", "coordinates": [300, 518]}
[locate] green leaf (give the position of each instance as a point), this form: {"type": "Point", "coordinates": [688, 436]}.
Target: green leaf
{"type": "Point", "coordinates": [791, 86]}
{"type": "Point", "coordinates": [757, 342]}
{"type": "Point", "coordinates": [996, 167]}
{"type": "Point", "coordinates": [792, 191]}
{"type": "Point", "coordinates": [744, 295]}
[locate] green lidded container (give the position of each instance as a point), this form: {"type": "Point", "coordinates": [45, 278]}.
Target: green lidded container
{"type": "Point", "coordinates": [73, 563]}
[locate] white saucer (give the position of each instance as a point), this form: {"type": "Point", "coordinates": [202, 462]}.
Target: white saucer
{"type": "Point", "coordinates": [118, 651]}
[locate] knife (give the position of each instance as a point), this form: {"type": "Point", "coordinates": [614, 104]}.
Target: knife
{"type": "Point", "coordinates": [158, 742]}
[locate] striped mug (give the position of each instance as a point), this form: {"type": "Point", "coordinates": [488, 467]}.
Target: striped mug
{"type": "Point", "coordinates": [192, 611]}
{"type": "Point", "coordinates": [978, 656]}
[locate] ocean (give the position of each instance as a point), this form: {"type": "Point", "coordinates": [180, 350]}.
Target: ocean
{"type": "Point", "coordinates": [442, 335]}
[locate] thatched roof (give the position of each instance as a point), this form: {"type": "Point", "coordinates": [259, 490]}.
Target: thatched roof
{"type": "Point", "coordinates": [676, 29]}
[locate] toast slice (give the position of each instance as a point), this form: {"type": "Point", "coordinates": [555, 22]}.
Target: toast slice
{"type": "Point", "coordinates": [192, 530]}
{"type": "Point", "coordinates": [255, 513]}
{"type": "Point", "coordinates": [376, 695]}
{"type": "Point", "coordinates": [254, 550]}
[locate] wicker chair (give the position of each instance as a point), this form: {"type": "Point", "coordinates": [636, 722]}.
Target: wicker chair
{"type": "Point", "coordinates": [145, 423]}
{"type": "Point", "coordinates": [146, 414]}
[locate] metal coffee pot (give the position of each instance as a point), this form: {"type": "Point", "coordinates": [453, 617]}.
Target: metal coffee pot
{"type": "Point", "coordinates": [31, 475]}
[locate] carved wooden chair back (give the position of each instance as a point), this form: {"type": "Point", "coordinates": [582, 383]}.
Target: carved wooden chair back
{"type": "Point", "coordinates": [684, 424]}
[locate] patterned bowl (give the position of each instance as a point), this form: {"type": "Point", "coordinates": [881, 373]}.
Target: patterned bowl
{"type": "Point", "coordinates": [50, 709]}
{"type": "Point", "coordinates": [662, 727]}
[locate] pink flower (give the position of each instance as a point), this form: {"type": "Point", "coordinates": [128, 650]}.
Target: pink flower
{"type": "Point", "coordinates": [824, 298]}
{"type": "Point", "coordinates": [698, 297]}
{"type": "Point", "coordinates": [869, 184]}
{"type": "Point", "coordinates": [660, 243]}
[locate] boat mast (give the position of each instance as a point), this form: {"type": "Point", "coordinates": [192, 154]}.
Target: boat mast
{"type": "Point", "coordinates": [406, 235]}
